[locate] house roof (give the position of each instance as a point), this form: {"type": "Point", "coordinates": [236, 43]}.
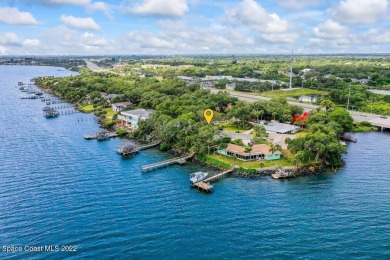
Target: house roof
{"type": "Point", "coordinates": [279, 128]}
{"type": "Point", "coordinates": [122, 104]}
{"type": "Point", "coordinates": [138, 113]}
{"type": "Point", "coordinates": [256, 149]}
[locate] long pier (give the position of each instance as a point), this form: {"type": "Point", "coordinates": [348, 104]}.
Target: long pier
{"type": "Point", "coordinates": [154, 166]}
{"type": "Point", "coordinates": [205, 184]}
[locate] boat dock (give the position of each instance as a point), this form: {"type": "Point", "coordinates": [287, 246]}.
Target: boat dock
{"type": "Point", "coordinates": [180, 160]}
{"type": "Point", "coordinates": [147, 146]}
{"type": "Point", "coordinates": [103, 134]}
{"type": "Point", "coordinates": [205, 185]}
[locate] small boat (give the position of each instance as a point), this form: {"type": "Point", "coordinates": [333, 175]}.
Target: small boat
{"type": "Point", "coordinates": [102, 136]}
{"type": "Point", "coordinates": [52, 114]}
{"type": "Point", "coordinates": [127, 149]}
{"type": "Point", "coordinates": [349, 138]}
{"type": "Point", "coordinates": [197, 177]}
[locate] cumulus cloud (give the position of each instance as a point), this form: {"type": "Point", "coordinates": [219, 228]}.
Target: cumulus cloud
{"type": "Point", "coordinates": [80, 23]}
{"type": "Point", "coordinates": [145, 39]}
{"type": "Point", "coordinates": [64, 2]}
{"type": "Point", "coordinates": [379, 36]}
{"type": "Point", "coordinates": [330, 30]}
{"type": "Point", "coordinates": [31, 42]}
{"type": "Point", "coordinates": [9, 38]}
{"type": "Point", "coordinates": [12, 15]}
{"type": "Point", "coordinates": [160, 8]}
{"type": "Point", "coordinates": [100, 7]}
{"type": "Point", "coordinates": [298, 4]}
{"type": "Point", "coordinates": [89, 39]}
{"type": "Point", "coordinates": [361, 11]}
{"type": "Point", "coordinates": [253, 15]}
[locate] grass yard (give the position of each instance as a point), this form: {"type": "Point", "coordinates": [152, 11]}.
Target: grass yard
{"type": "Point", "coordinates": [293, 93]}
{"type": "Point", "coordinates": [249, 165]}
{"type": "Point", "coordinates": [110, 113]}
{"type": "Point", "coordinates": [233, 127]}
{"type": "Point", "coordinates": [87, 108]}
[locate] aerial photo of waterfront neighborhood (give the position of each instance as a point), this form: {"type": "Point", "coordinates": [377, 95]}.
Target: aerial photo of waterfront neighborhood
{"type": "Point", "coordinates": [148, 124]}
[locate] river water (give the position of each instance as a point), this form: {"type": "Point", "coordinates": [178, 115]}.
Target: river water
{"type": "Point", "coordinates": [58, 189]}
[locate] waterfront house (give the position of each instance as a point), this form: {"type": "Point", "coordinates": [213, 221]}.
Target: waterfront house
{"type": "Point", "coordinates": [117, 107]}
{"type": "Point", "coordinates": [258, 152]}
{"type": "Point", "coordinates": [131, 118]}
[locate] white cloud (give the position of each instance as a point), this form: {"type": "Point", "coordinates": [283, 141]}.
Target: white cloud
{"type": "Point", "coordinates": [280, 37]}
{"type": "Point", "coordinates": [378, 36]}
{"type": "Point", "coordinates": [298, 4]}
{"type": "Point", "coordinates": [149, 40]}
{"type": "Point", "coordinates": [80, 23]}
{"type": "Point", "coordinates": [361, 11]}
{"type": "Point", "coordinates": [2, 50]}
{"type": "Point", "coordinates": [65, 2]}
{"type": "Point", "coordinates": [253, 15]}
{"type": "Point", "coordinates": [160, 7]}
{"type": "Point", "coordinates": [9, 38]}
{"type": "Point", "coordinates": [330, 30]}
{"type": "Point", "coordinates": [12, 15]}
{"type": "Point", "coordinates": [89, 39]}
{"type": "Point", "coordinates": [31, 42]}
{"type": "Point", "coordinates": [100, 7]}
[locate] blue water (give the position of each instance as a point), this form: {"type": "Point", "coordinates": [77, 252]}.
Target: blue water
{"type": "Point", "coordinates": [58, 189]}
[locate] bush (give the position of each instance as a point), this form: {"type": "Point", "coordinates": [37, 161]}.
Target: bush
{"type": "Point", "coordinates": [121, 132]}
{"type": "Point", "coordinates": [165, 146]}
{"type": "Point", "coordinates": [249, 171]}
{"type": "Point", "coordinates": [108, 124]}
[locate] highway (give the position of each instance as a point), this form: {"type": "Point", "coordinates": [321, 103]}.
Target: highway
{"type": "Point", "coordinates": [357, 116]}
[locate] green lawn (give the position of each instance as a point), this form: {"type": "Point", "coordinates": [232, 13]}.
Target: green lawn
{"type": "Point", "coordinates": [110, 113]}
{"type": "Point", "coordinates": [87, 108]}
{"type": "Point", "coordinates": [231, 127]}
{"type": "Point", "coordinates": [90, 109]}
{"type": "Point", "coordinates": [249, 165]}
{"type": "Point", "coordinates": [293, 93]}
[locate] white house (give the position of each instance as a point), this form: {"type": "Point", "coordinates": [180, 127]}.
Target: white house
{"type": "Point", "coordinates": [120, 106]}
{"type": "Point", "coordinates": [231, 86]}
{"type": "Point", "coordinates": [131, 118]}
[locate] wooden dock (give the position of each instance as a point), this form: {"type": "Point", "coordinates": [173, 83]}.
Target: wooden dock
{"type": "Point", "coordinates": [205, 185]}
{"type": "Point", "coordinates": [147, 146]}
{"type": "Point", "coordinates": [154, 166]}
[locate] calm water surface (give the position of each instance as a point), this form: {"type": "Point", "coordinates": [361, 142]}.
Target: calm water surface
{"type": "Point", "coordinates": [58, 189]}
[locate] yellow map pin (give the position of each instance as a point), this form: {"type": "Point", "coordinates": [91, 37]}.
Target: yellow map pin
{"type": "Point", "coordinates": [208, 115]}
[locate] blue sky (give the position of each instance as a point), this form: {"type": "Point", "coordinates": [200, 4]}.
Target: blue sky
{"type": "Point", "coordinates": [88, 27]}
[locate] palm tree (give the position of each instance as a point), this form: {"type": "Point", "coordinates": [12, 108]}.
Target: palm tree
{"type": "Point", "coordinates": [261, 165]}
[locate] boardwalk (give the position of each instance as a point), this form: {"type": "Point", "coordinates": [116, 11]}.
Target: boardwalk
{"type": "Point", "coordinates": [154, 166]}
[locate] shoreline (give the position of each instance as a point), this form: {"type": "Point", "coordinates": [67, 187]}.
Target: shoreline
{"type": "Point", "coordinates": [292, 172]}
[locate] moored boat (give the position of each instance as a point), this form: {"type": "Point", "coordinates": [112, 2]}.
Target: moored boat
{"type": "Point", "coordinates": [197, 177]}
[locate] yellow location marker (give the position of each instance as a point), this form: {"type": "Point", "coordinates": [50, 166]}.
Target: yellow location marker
{"type": "Point", "coordinates": [208, 115]}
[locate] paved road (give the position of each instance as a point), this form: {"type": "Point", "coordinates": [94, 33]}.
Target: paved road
{"type": "Point", "coordinates": [93, 66]}
{"type": "Point", "coordinates": [357, 116]}
{"type": "Point", "coordinates": [236, 135]}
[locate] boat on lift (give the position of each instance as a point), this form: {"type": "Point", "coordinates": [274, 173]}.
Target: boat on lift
{"type": "Point", "coordinates": [197, 177]}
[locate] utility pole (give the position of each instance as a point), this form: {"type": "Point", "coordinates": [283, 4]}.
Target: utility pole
{"type": "Point", "coordinates": [292, 60]}
{"type": "Point", "coordinates": [349, 95]}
